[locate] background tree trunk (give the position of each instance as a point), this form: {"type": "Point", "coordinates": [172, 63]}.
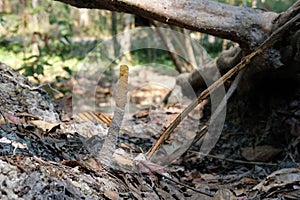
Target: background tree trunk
{"type": "Point", "coordinates": [114, 32]}
{"type": "Point", "coordinates": [35, 16]}
{"type": "Point", "coordinates": [125, 42]}
{"type": "Point", "coordinates": [84, 18]}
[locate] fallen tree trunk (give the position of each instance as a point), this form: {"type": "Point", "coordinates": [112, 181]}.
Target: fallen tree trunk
{"type": "Point", "coordinates": [246, 26]}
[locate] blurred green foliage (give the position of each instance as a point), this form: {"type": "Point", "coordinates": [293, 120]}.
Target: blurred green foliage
{"type": "Point", "coordinates": [271, 5]}
{"type": "Point", "coordinates": [39, 37]}
{"type": "Point", "coordinates": [145, 56]}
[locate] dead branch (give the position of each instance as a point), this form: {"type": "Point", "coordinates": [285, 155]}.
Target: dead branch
{"type": "Point", "coordinates": [241, 65]}
{"type": "Point", "coordinates": [246, 26]}
{"type": "Point", "coordinates": [105, 154]}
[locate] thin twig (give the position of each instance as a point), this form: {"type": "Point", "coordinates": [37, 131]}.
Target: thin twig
{"type": "Point", "coordinates": [219, 109]}
{"type": "Point", "coordinates": [5, 119]}
{"type": "Point", "coordinates": [182, 184]}
{"type": "Point", "coordinates": [234, 161]}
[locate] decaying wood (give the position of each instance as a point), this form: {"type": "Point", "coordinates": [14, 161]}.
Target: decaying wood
{"type": "Point", "coordinates": [246, 26]}
{"type": "Point", "coordinates": [223, 63]}
{"type": "Point", "coordinates": [105, 154]}
{"type": "Point", "coordinates": [288, 54]}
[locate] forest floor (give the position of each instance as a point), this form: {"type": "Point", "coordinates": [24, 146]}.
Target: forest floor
{"type": "Point", "coordinates": [256, 156]}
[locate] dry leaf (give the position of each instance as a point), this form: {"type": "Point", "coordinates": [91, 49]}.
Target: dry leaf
{"type": "Point", "coordinates": [142, 113]}
{"type": "Point", "coordinates": [10, 118]}
{"type": "Point", "coordinates": [224, 194]}
{"type": "Point", "coordinates": [45, 126]}
{"type": "Point", "coordinates": [113, 195]}
{"type": "Point", "coordinates": [208, 177]}
{"type": "Point", "coordinates": [262, 153]}
{"type": "Point", "coordinates": [248, 181]}
{"type": "Point", "coordinates": [89, 164]}
{"type": "Point", "coordinates": [279, 179]}
{"type": "Point", "coordinates": [122, 158]}
{"type": "Point", "coordinates": [15, 144]}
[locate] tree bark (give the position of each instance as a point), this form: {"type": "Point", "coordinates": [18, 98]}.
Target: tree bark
{"type": "Point", "coordinates": [189, 48]}
{"type": "Point", "coordinates": [114, 32]}
{"type": "Point", "coordinates": [179, 65]}
{"type": "Point", "coordinates": [125, 41]}
{"type": "Point", "coordinates": [246, 26]}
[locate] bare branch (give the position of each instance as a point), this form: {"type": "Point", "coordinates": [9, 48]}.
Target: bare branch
{"type": "Point", "coordinates": [246, 26]}
{"type": "Point", "coordinates": [240, 66]}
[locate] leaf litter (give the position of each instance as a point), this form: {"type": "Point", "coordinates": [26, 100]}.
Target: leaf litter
{"type": "Point", "coordinates": [57, 163]}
